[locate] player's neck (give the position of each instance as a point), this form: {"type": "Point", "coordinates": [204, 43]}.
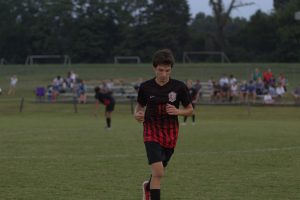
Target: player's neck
{"type": "Point", "coordinates": [162, 82]}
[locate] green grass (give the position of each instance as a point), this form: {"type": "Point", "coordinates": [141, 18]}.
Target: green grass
{"type": "Point", "coordinates": [48, 152]}
{"type": "Point", "coordinates": [232, 153]}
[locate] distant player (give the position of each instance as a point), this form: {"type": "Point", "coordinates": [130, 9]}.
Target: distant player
{"type": "Point", "coordinates": [107, 99]}
{"type": "Point", "coordinates": [158, 107]}
{"type": "Point", "coordinates": [195, 96]}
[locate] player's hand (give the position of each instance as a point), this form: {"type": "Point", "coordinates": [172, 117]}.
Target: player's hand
{"type": "Point", "coordinates": [172, 110]}
{"type": "Point", "coordinates": [139, 116]}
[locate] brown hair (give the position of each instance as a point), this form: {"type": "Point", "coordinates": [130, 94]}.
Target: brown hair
{"type": "Point", "coordinates": [163, 57]}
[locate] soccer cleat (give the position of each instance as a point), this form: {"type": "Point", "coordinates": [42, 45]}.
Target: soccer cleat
{"type": "Point", "coordinates": [146, 193]}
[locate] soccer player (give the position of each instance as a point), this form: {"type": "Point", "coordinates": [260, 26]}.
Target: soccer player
{"type": "Point", "coordinates": [107, 99]}
{"type": "Point", "coordinates": [195, 96]}
{"type": "Point", "coordinates": [158, 107]}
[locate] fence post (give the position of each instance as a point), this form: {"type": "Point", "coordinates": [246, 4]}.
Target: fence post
{"type": "Point", "coordinates": [21, 105]}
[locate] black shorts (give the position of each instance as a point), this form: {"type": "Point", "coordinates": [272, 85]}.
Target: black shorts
{"type": "Point", "coordinates": [110, 107]}
{"type": "Point", "coordinates": [157, 153]}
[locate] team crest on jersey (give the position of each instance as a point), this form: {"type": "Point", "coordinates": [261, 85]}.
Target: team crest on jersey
{"type": "Point", "coordinates": [172, 96]}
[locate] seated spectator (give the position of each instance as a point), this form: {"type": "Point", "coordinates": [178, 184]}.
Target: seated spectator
{"type": "Point", "coordinates": [234, 92]}
{"type": "Point", "coordinates": [81, 92]}
{"type": "Point", "coordinates": [282, 80]}
{"type": "Point", "coordinates": [198, 87]}
{"type": "Point", "coordinates": [272, 90]}
{"type": "Point", "coordinates": [296, 94]}
{"type": "Point", "coordinates": [216, 95]}
{"type": "Point", "coordinates": [280, 91]}
{"type": "Point", "coordinates": [243, 91]}
{"type": "Point", "coordinates": [260, 87]}
{"type": "Point", "coordinates": [251, 91]}
{"type": "Point", "coordinates": [268, 99]}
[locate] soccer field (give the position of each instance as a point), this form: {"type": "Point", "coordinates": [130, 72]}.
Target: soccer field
{"type": "Point", "coordinates": [48, 152]}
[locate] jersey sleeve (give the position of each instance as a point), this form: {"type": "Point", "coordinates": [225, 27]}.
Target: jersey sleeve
{"type": "Point", "coordinates": [142, 99]}
{"type": "Point", "coordinates": [185, 96]}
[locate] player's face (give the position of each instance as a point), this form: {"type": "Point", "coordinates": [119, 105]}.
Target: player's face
{"type": "Point", "coordinates": [162, 73]}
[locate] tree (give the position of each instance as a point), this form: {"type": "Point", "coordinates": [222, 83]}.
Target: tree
{"type": "Point", "coordinates": [222, 16]}
{"type": "Point", "coordinates": [165, 26]}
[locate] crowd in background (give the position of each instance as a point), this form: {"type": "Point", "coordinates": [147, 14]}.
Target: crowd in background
{"type": "Point", "coordinates": [262, 85]}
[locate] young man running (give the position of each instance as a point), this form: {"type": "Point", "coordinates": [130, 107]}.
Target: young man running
{"type": "Point", "coordinates": [158, 107]}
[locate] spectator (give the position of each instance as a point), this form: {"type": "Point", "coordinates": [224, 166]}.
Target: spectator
{"type": "Point", "coordinates": [260, 87]}
{"type": "Point", "coordinates": [243, 91]}
{"type": "Point", "coordinates": [257, 74]}
{"type": "Point", "coordinates": [81, 92]}
{"type": "Point", "coordinates": [234, 92]}
{"type": "Point", "coordinates": [13, 84]}
{"type": "Point", "coordinates": [216, 94]}
{"type": "Point", "coordinates": [296, 94]}
{"type": "Point", "coordinates": [198, 87]}
{"type": "Point", "coordinates": [268, 99]}
{"type": "Point", "coordinates": [251, 91]}
{"type": "Point", "coordinates": [267, 75]}
{"type": "Point", "coordinates": [280, 91]}
{"type": "Point", "coordinates": [282, 81]}
{"type": "Point", "coordinates": [232, 80]}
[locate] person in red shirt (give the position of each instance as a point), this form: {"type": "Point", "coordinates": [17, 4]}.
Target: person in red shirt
{"type": "Point", "coordinates": [158, 109]}
{"type": "Point", "coordinates": [268, 75]}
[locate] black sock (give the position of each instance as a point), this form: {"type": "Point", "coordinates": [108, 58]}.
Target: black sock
{"type": "Point", "coordinates": [184, 118]}
{"type": "Point", "coordinates": [108, 121]}
{"type": "Point", "coordinates": [155, 194]}
{"type": "Point", "coordinates": [193, 118]}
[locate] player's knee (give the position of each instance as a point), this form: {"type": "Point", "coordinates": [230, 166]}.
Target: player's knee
{"type": "Point", "coordinates": [158, 173]}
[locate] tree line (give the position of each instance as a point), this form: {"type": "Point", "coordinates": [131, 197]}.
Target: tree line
{"type": "Point", "coordinates": [94, 31]}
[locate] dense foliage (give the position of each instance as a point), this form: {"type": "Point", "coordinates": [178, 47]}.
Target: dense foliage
{"type": "Point", "coordinates": [97, 30]}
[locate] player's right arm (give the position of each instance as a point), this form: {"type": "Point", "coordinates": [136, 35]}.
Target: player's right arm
{"type": "Point", "coordinates": [139, 113]}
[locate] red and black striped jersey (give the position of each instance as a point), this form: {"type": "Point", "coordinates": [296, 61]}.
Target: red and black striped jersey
{"type": "Point", "coordinates": [158, 125]}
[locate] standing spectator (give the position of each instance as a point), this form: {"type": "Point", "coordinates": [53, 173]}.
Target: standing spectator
{"type": "Point", "coordinates": [13, 85]}
{"type": "Point", "coordinates": [161, 96]}
{"type": "Point", "coordinates": [267, 76]}
{"type": "Point", "coordinates": [107, 99]}
{"type": "Point", "coordinates": [257, 75]}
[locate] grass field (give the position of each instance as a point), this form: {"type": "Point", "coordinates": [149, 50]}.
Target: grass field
{"type": "Point", "coordinates": [233, 152]}
{"type": "Point", "coordinates": [48, 152]}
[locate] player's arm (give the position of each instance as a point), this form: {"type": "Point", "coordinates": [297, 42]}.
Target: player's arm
{"type": "Point", "coordinates": [139, 113]}
{"type": "Point", "coordinates": [185, 111]}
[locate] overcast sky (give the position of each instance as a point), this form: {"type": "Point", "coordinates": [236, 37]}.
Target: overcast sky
{"type": "Point", "coordinates": [197, 6]}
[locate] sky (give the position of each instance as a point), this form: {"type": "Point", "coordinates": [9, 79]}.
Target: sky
{"type": "Point", "coordinates": [197, 6]}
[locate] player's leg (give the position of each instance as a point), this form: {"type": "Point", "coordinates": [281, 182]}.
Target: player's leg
{"type": "Point", "coordinates": [157, 174]}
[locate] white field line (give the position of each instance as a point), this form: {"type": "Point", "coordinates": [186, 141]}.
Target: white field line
{"type": "Point", "coordinates": [112, 156]}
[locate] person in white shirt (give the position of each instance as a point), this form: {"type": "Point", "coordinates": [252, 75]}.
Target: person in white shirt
{"type": "Point", "coordinates": [13, 84]}
{"type": "Point", "coordinates": [268, 99]}
{"type": "Point", "coordinates": [280, 90]}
